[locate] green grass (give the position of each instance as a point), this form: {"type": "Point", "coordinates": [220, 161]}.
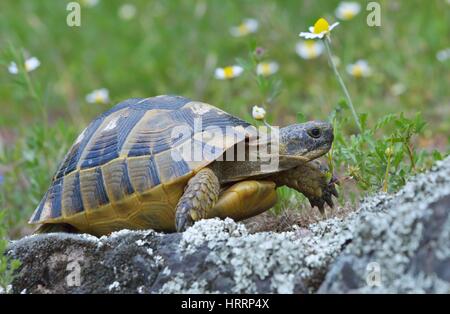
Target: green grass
{"type": "Point", "coordinates": [173, 47]}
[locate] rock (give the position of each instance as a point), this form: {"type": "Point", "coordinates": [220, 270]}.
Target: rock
{"type": "Point", "coordinates": [401, 243]}
{"type": "Point", "coordinates": [212, 256]}
{"type": "Point", "coordinates": [392, 243]}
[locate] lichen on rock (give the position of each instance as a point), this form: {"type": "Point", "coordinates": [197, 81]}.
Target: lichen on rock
{"type": "Point", "coordinates": [391, 243]}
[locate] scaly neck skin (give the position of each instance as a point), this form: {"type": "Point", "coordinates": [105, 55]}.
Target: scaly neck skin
{"type": "Point", "coordinates": [232, 171]}
{"type": "Point", "coordinates": [293, 145]}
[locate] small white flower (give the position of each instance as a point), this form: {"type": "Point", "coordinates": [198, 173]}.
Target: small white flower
{"type": "Point", "coordinates": [267, 68]}
{"type": "Point", "coordinates": [359, 69]}
{"type": "Point", "coordinates": [89, 3]}
{"type": "Point", "coordinates": [98, 96]}
{"type": "Point", "coordinates": [31, 64]}
{"type": "Point", "coordinates": [319, 30]}
{"type": "Point", "coordinates": [347, 10]}
{"type": "Point", "coordinates": [309, 49]}
{"type": "Point", "coordinates": [127, 11]}
{"type": "Point", "coordinates": [258, 113]}
{"type": "Point", "coordinates": [336, 60]}
{"type": "Point", "coordinates": [248, 26]}
{"type": "Point", "coordinates": [397, 89]}
{"type": "Point", "coordinates": [443, 55]}
{"type": "Point", "coordinates": [228, 72]}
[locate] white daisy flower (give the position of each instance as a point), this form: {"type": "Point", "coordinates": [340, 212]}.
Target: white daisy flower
{"type": "Point", "coordinates": [248, 26]}
{"type": "Point", "coordinates": [258, 113]}
{"type": "Point", "coordinates": [347, 10]}
{"type": "Point", "coordinates": [228, 72]}
{"type": "Point", "coordinates": [397, 89]}
{"type": "Point", "coordinates": [309, 49]}
{"type": "Point", "coordinates": [319, 30]}
{"type": "Point", "coordinates": [359, 69]}
{"type": "Point", "coordinates": [98, 96]}
{"type": "Point", "coordinates": [127, 11]}
{"type": "Point", "coordinates": [443, 55]}
{"type": "Point", "coordinates": [267, 68]}
{"type": "Point", "coordinates": [89, 3]}
{"type": "Point", "coordinates": [31, 64]}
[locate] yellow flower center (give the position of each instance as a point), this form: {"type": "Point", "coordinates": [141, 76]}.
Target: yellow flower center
{"type": "Point", "coordinates": [228, 72]}
{"type": "Point", "coordinates": [321, 26]}
{"type": "Point", "coordinates": [311, 48]}
{"type": "Point", "coordinates": [265, 69]}
{"type": "Point", "coordinates": [98, 98]}
{"type": "Point", "coordinates": [243, 29]}
{"type": "Point", "coordinates": [357, 71]}
{"type": "Point", "coordinates": [348, 14]}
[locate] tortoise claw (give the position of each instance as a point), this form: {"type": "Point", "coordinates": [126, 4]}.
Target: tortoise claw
{"type": "Point", "coordinates": [333, 190]}
{"type": "Point", "coordinates": [317, 202]}
{"type": "Point", "coordinates": [328, 191]}
{"type": "Point", "coordinates": [183, 220]}
{"type": "Point", "coordinates": [328, 200]}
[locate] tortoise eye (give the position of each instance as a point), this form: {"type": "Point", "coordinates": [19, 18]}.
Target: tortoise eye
{"type": "Point", "coordinates": [315, 132]}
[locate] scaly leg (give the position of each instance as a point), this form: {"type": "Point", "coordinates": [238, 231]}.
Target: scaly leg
{"type": "Point", "coordinates": [309, 179]}
{"type": "Point", "coordinates": [200, 195]}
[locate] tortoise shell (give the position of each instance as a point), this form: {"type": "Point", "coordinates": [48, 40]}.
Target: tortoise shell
{"type": "Point", "coordinates": [120, 172]}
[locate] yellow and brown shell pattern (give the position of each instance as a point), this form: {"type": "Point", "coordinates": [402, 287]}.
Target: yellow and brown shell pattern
{"type": "Point", "coordinates": [121, 171]}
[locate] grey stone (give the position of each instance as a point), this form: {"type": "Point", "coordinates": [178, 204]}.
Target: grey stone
{"type": "Point", "coordinates": [391, 243]}
{"type": "Point", "coordinates": [401, 243]}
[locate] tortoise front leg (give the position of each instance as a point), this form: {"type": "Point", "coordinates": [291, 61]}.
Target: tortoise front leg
{"type": "Point", "coordinates": [311, 180]}
{"type": "Point", "coordinates": [200, 195]}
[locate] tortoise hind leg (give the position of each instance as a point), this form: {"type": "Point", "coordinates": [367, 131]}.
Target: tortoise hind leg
{"type": "Point", "coordinates": [200, 195]}
{"type": "Point", "coordinates": [50, 228]}
{"type": "Point", "coordinates": [245, 199]}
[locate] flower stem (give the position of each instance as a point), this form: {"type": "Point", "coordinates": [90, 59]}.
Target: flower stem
{"type": "Point", "coordinates": [410, 155]}
{"type": "Point", "coordinates": [386, 175]}
{"type": "Point", "coordinates": [341, 82]}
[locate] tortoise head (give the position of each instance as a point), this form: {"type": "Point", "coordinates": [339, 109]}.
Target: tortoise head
{"type": "Point", "coordinates": [306, 141]}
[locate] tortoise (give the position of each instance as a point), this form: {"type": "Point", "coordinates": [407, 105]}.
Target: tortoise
{"type": "Point", "coordinates": [127, 170]}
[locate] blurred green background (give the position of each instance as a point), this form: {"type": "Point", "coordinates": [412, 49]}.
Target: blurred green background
{"type": "Point", "coordinates": [173, 47]}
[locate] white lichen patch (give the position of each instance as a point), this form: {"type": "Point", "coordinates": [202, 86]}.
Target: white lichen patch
{"type": "Point", "coordinates": [115, 286]}
{"type": "Point", "coordinates": [280, 255]}
{"type": "Point", "coordinates": [283, 283]}
{"type": "Point", "coordinates": [141, 289]}
{"type": "Point", "coordinates": [179, 285]}
{"type": "Point", "coordinates": [120, 233]}
{"type": "Point", "coordinates": [126, 232]}
{"type": "Point", "coordinates": [140, 242]}
{"type": "Point", "coordinates": [89, 237]}
{"type": "Point", "coordinates": [166, 271]}
{"type": "Point", "coordinates": [390, 229]}
{"type": "Point", "coordinates": [210, 231]}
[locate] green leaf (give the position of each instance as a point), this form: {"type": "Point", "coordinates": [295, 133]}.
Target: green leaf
{"type": "Point", "coordinates": [342, 104]}
{"type": "Point", "coordinates": [437, 155]}
{"type": "Point", "coordinates": [385, 120]}
{"type": "Point", "coordinates": [363, 120]}
{"type": "Point", "coordinates": [301, 117]}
